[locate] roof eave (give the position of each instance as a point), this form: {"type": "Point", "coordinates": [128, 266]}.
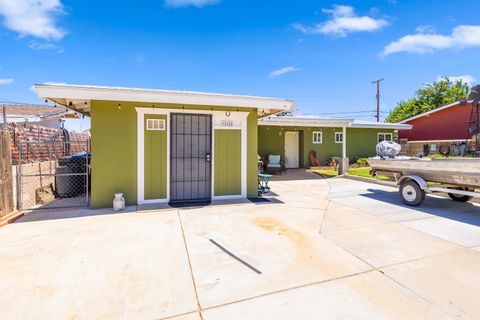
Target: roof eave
{"type": "Point", "coordinates": [264, 105]}
{"type": "Point", "coordinates": [381, 126]}
{"type": "Point", "coordinates": [433, 111]}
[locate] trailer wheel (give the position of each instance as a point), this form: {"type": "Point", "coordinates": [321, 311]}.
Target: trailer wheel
{"type": "Point", "coordinates": [411, 193]}
{"type": "Point", "coordinates": [459, 197]}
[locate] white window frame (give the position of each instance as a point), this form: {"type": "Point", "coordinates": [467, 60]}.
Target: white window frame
{"type": "Point", "coordinates": [338, 134]}
{"type": "Point", "coordinates": [385, 136]}
{"type": "Point", "coordinates": [317, 133]}
{"type": "Point", "coordinates": [155, 124]}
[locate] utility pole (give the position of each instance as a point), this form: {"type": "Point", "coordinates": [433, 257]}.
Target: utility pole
{"type": "Point", "coordinates": [378, 97]}
{"type": "Point", "coordinates": [4, 125]}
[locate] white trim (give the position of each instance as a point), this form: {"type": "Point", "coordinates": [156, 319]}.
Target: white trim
{"type": "Point", "coordinates": [233, 197]}
{"type": "Point", "coordinates": [344, 142]}
{"type": "Point", "coordinates": [244, 156]}
{"type": "Point", "coordinates": [313, 137]}
{"type": "Point", "coordinates": [384, 133]}
{"type": "Point", "coordinates": [142, 111]}
{"type": "Point", "coordinates": [298, 121]}
{"type": "Point", "coordinates": [393, 126]}
{"type": "Point", "coordinates": [317, 121]}
{"type": "Point", "coordinates": [151, 124]}
{"type": "Point", "coordinates": [154, 201]}
{"type": "Point", "coordinates": [340, 133]}
{"type": "Point", "coordinates": [87, 92]}
{"type": "Point", "coordinates": [433, 111]}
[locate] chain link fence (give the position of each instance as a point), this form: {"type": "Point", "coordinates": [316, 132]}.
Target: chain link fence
{"type": "Point", "coordinates": [52, 174]}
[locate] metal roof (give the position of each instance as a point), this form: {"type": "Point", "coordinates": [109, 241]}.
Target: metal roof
{"type": "Point", "coordinates": [433, 111]}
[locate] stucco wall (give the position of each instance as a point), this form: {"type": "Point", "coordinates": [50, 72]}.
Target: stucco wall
{"type": "Point", "coordinates": [114, 149]}
{"type": "Point", "coordinates": [360, 142]}
{"type": "Point", "coordinates": [155, 161]}
{"type": "Point", "coordinates": [227, 162]}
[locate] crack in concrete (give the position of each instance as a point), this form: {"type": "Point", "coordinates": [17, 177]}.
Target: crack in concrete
{"type": "Point", "coordinates": [199, 307]}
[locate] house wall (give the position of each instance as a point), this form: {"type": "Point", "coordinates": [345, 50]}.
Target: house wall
{"type": "Point", "coordinates": [363, 142]}
{"type": "Point", "coordinates": [360, 142]}
{"type": "Point", "coordinates": [114, 152]}
{"type": "Point", "coordinates": [447, 124]}
{"type": "Point", "coordinates": [155, 163]}
{"type": "Point", "coordinates": [227, 162]}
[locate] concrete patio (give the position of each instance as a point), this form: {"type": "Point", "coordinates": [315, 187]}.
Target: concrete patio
{"type": "Point", "coordinates": [323, 249]}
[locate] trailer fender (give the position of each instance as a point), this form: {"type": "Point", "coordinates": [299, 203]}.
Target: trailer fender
{"type": "Point", "coordinates": [419, 180]}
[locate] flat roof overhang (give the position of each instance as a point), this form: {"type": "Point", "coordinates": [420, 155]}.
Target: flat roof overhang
{"type": "Point", "coordinates": [314, 121]}
{"type": "Point", "coordinates": [375, 125]}
{"type": "Point", "coordinates": [296, 121]}
{"type": "Point", "coordinates": [79, 97]}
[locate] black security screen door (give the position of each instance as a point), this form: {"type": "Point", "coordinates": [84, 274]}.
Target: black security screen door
{"type": "Point", "coordinates": [191, 147]}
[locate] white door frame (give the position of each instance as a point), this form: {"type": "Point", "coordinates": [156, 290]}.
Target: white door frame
{"type": "Point", "coordinates": [297, 134]}
{"type": "Point", "coordinates": [231, 120]}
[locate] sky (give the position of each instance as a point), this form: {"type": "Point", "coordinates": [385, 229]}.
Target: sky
{"type": "Point", "coordinates": [322, 54]}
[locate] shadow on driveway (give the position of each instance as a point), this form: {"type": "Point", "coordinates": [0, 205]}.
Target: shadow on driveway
{"type": "Point", "coordinates": [434, 205]}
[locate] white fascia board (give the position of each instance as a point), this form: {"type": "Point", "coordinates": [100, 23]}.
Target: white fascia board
{"type": "Point", "coordinates": [77, 92]}
{"type": "Point", "coordinates": [393, 126]}
{"type": "Point", "coordinates": [303, 122]}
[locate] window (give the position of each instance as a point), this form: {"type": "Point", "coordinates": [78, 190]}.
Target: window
{"type": "Point", "coordinates": [385, 136]}
{"type": "Point", "coordinates": [338, 137]}
{"type": "Point", "coordinates": [155, 124]}
{"type": "Point", "coordinates": [317, 137]}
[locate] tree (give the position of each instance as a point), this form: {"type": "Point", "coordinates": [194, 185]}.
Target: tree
{"type": "Point", "coordinates": [431, 96]}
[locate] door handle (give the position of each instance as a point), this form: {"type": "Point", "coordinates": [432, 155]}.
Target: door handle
{"type": "Point", "coordinates": [208, 157]}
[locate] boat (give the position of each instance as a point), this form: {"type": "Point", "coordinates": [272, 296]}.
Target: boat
{"type": "Point", "coordinates": [463, 172]}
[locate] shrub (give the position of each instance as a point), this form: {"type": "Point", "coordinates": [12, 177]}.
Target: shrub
{"type": "Point", "coordinates": [362, 162]}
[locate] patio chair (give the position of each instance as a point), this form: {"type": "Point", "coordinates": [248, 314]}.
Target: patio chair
{"type": "Point", "coordinates": [312, 158]}
{"type": "Point", "coordinates": [274, 164]}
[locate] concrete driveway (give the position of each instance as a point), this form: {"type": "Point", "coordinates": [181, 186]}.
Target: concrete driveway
{"type": "Point", "coordinates": [320, 249]}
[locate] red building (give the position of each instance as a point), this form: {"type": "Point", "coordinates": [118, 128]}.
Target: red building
{"type": "Point", "coordinates": [443, 126]}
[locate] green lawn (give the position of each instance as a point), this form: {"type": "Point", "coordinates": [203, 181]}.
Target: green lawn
{"type": "Point", "coordinates": [359, 172]}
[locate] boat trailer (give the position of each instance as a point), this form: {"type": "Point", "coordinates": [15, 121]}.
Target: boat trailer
{"type": "Point", "coordinates": [413, 188]}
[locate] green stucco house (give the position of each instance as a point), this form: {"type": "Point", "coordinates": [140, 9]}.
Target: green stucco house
{"type": "Point", "coordinates": [294, 137]}
{"type": "Point", "coordinates": [168, 146]}
{"type": "Point", "coordinates": [160, 146]}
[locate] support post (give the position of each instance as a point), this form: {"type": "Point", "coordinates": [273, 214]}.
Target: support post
{"type": "Point", "coordinates": [344, 162]}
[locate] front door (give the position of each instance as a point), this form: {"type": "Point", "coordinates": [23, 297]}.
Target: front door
{"type": "Point", "coordinates": [292, 152]}
{"type": "Point", "coordinates": [191, 148]}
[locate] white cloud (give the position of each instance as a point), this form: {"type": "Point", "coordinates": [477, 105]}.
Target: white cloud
{"type": "Point", "coordinates": [45, 46]}
{"type": "Point", "coordinates": [282, 71]}
{"type": "Point", "coordinates": [34, 18]}
{"type": "Point", "coordinates": [463, 36]}
{"type": "Point", "coordinates": [343, 21]}
{"type": "Point", "coordinates": [6, 81]}
{"type": "Point", "coordinates": [466, 78]}
{"type": "Point", "coordinates": [425, 29]}
{"type": "Point", "coordinates": [187, 3]}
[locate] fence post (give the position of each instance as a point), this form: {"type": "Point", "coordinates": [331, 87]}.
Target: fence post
{"type": "Point", "coordinates": [6, 183]}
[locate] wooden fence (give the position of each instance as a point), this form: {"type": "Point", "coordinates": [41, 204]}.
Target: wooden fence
{"type": "Point", "coordinates": [6, 183]}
